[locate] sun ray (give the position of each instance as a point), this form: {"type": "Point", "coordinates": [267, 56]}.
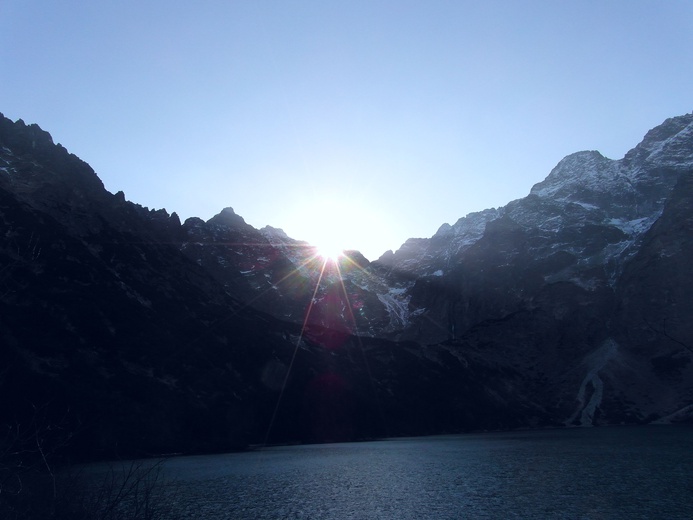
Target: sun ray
{"type": "Point", "coordinates": [322, 261]}
{"type": "Point", "coordinates": [293, 355]}
{"type": "Point", "coordinates": [327, 260]}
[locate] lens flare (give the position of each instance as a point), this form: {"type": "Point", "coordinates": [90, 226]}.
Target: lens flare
{"type": "Point", "coordinates": [329, 252]}
{"type": "Point", "coordinates": [329, 323]}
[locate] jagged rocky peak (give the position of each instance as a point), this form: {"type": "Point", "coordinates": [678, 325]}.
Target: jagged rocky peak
{"type": "Point", "coordinates": [228, 217]}
{"type": "Point", "coordinates": [19, 140]}
{"type": "Point", "coordinates": [193, 223]}
{"type": "Point", "coordinates": [409, 251]}
{"type": "Point", "coordinates": [32, 134]}
{"type": "Point", "coordinates": [386, 258]}
{"type": "Point", "coordinates": [473, 223]}
{"type": "Point", "coordinates": [425, 254]}
{"type": "Point", "coordinates": [356, 257]}
{"type": "Point", "coordinates": [274, 234]}
{"type": "Point", "coordinates": [669, 145]}
{"type": "Point", "coordinates": [582, 183]}
{"type": "Point", "coordinates": [587, 169]}
{"type": "Point", "coordinates": [161, 215]}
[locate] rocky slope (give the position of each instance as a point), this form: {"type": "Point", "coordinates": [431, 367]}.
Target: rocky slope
{"type": "Point", "coordinates": [146, 335]}
{"type": "Point", "coordinates": [126, 332]}
{"type": "Point", "coordinates": [580, 284]}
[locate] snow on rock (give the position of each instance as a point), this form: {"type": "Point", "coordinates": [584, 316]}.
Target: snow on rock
{"type": "Point", "coordinates": [579, 172]}
{"type": "Point", "coordinates": [636, 226]}
{"type": "Point", "coordinates": [470, 227]}
{"type": "Point", "coordinates": [668, 145]}
{"type": "Point", "coordinates": [591, 390]}
{"type": "Point", "coordinates": [396, 302]}
{"type": "Point", "coordinates": [275, 235]}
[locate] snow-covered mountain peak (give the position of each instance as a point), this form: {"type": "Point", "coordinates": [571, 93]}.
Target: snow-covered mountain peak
{"type": "Point", "coordinates": [579, 176]}
{"type": "Point", "coordinates": [577, 172]}
{"type": "Point", "coordinates": [668, 145]}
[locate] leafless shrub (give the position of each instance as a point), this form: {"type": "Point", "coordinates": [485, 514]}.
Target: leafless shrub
{"type": "Point", "coordinates": [133, 491]}
{"type": "Point", "coordinates": [31, 486]}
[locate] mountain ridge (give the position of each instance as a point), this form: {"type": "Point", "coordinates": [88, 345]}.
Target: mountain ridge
{"type": "Point", "coordinates": [565, 307]}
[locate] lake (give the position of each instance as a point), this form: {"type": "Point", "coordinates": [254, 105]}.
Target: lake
{"type": "Point", "coordinates": [615, 473]}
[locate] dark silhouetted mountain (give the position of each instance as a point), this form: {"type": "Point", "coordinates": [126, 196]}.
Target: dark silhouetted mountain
{"type": "Point", "coordinates": [140, 334]}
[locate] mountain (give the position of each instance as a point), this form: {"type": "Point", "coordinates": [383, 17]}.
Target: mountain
{"type": "Point", "coordinates": [138, 333]}
{"type": "Point", "coordinates": [128, 333]}
{"type": "Point", "coordinates": [580, 285]}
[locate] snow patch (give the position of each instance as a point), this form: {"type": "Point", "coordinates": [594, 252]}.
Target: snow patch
{"type": "Point", "coordinates": [674, 151]}
{"type": "Point", "coordinates": [636, 226]}
{"type": "Point", "coordinates": [397, 307]}
{"type": "Point", "coordinates": [596, 361]}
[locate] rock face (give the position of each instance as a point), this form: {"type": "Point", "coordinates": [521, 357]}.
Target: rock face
{"type": "Point", "coordinates": [580, 285]}
{"type": "Point", "coordinates": [148, 335]}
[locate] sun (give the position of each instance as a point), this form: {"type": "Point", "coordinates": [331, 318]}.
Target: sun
{"type": "Point", "coordinates": [329, 249]}
{"type": "Point", "coordinates": [333, 221]}
{"type": "Point", "coordinates": [327, 225]}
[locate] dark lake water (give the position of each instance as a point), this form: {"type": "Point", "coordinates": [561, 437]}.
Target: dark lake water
{"type": "Point", "coordinates": [614, 473]}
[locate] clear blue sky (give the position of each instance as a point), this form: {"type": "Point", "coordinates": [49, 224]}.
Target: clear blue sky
{"type": "Point", "coordinates": [379, 120]}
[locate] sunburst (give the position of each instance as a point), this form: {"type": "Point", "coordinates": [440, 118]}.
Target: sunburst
{"type": "Point", "coordinates": [329, 252]}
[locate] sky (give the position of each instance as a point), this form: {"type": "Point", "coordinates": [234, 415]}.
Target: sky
{"type": "Point", "coordinates": [357, 122]}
